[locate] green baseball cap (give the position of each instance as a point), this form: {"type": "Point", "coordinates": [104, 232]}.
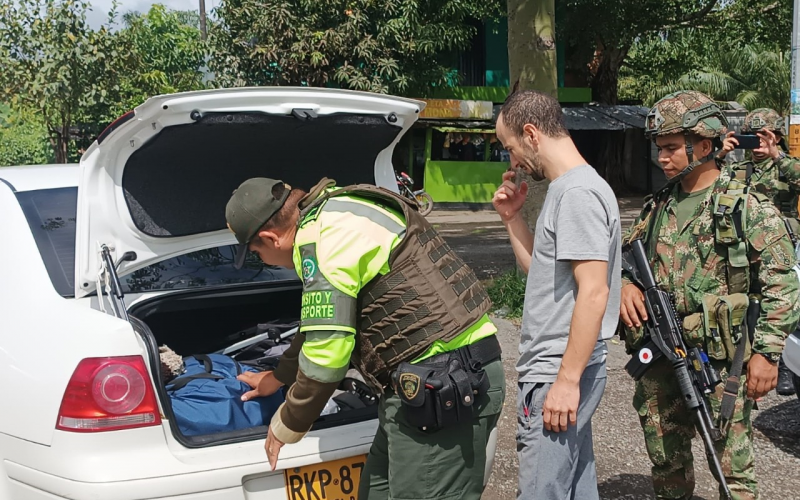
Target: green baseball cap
{"type": "Point", "coordinates": [250, 207]}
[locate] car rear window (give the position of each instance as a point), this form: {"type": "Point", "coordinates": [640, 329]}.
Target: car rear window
{"type": "Point", "coordinates": [51, 216]}
{"type": "Point", "coordinates": [211, 267]}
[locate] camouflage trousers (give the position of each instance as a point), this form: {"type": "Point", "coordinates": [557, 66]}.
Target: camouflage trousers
{"type": "Point", "coordinates": [669, 428]}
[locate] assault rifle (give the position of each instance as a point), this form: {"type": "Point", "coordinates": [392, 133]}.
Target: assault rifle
{"type": "Point", "coordinates": [664, 338]}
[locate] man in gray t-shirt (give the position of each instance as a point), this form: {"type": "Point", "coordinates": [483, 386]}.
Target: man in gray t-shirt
{"type": "Point", "coordinates": [579, 221]}
{"type": "Point", "coordinates": [569, 308]}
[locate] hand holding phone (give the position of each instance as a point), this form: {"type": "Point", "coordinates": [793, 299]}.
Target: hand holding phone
{"type": "Point", "coordinates": [747, 141]}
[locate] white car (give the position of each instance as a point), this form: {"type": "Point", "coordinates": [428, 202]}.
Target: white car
{"type": "Point", "coordinates": [85, 413]}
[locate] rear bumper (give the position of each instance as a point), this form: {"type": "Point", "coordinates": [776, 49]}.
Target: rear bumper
{"type": "Point", "coordinates": [791, 353]}
{"type": "Point", "coordinates": [30, 484]}
{"type": "Point", "coordinates": [131, 465]}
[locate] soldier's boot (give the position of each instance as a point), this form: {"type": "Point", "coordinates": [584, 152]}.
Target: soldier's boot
{"type": "Point", "coordinates": [785, 386]}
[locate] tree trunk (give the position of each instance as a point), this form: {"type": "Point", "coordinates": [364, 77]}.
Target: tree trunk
{"type": "Point", "coordinates": [62, 145]}
{"type": "Point", "coordinates": [605, 82]}
{"type": "Point", "coordinates": [611, 161]}
{"type": "Point", "coordinates": [532, 65]}
{"type": "Point", "coordinates": [605, 79]}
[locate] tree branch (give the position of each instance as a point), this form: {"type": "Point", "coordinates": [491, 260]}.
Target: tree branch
{"type": "Point", "coordinates": [689, 21]}
{"type": "Point", "coordinates": [715, 18]}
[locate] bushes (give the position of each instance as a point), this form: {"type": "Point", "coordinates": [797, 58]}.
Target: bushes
{"type": "Point", "coordinates": [24, 142]}
{"type": "Point", "coordinates": [507, 292]}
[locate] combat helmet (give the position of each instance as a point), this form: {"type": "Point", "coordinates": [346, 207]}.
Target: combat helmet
{"type": "Point", "coordinates": [763, 118]}
{"type": "Point", "coordinates": [691, 113]}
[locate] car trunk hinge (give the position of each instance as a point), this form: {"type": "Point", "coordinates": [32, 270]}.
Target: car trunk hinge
{"type": "Point", "coordinates": [108, 285]}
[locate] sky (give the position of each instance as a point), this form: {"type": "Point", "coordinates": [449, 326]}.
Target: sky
{"type": "Point", "coordinates": [100, 8]}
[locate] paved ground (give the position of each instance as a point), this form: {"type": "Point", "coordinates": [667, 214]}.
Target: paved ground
{"type": "Point", "coordinates": [482, 241]}
{"type": "Point", "coordinates": [623, 466]}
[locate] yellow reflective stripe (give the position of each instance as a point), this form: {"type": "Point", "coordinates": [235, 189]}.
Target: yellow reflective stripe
{"type": "Point", "coordinates": [480, 330]}
{"type": "Point", "coordinates": [351, 249]}
{"type": "Point", "coordinates": [320, 373]}
{"type": "Point", "coordinates": [329, 352]}
{"type": "Point", "coordinates": [369, 211]}
{"type": "Point", "coordinates": [327, 328]}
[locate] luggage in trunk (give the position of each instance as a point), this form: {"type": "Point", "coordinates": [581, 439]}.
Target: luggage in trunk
{"type": "Point", "coordinates": [252, 326]}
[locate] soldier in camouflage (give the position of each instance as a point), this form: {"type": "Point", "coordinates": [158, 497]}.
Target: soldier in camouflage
{"type": "Point", "coordinates": [680, 232]}
{"type": "Point", "coordinates": [769, 170]}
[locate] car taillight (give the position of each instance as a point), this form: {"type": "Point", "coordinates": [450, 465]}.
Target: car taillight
{"type": "Point", "coordinates": [106, 394]}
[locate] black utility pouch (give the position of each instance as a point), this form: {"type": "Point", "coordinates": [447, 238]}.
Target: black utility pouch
{"type": "Point", "coordinates": [410, 384]}
{"type": "Point", "coordinates": [438, 395]}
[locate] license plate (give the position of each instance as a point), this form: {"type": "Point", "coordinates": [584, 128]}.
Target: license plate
{"type": "Point", "coordinates": [337, 480]}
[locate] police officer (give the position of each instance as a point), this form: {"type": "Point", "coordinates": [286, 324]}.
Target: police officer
{"type": "Point", "coordinates": [709, 242]}
{"type": "Point", "coordinates": [384, 293]}
{"type": "Point", "coordinates": [770, 171]}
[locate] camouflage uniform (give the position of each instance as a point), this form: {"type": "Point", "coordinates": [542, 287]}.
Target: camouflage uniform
{"type": "Point", "coordinates": [689, 262]}
{"type": "Point", "coordinates": [777, 179]}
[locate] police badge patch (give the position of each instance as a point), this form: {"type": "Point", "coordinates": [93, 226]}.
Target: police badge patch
{"type": "Point", "coordinates": [409, 383]}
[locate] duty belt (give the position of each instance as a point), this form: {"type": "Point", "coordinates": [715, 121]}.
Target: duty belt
{"type": "Point", "coordinates": [473, 356]}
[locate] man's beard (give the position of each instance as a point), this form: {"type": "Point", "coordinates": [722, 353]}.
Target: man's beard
{"type": "Point", "coordinates": [532, 165]}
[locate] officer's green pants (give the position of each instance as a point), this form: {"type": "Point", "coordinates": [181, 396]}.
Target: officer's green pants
{"type": "Point", "coordinates": [669, 427]}
{"type": "Point", "coordinates": [406, 463]}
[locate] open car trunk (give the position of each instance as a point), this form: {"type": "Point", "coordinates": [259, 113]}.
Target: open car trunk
{"type": "Point", "coordinates": [213, 321]}
{"type": "Point", "coordinates": [155, 185]}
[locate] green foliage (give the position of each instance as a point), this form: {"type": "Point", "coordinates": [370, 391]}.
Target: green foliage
{"type": "Point", "coordinates": [55, 64]}
{"type": "Point", "coordinates": [167, 51]}
{"type": "Point", "coordinates": [23, 140]}
{"type": "Point", "coordinates": [386, 46]}
{"type": "Point", "coordinates": [753, 76]}
{"type": "Point", "coordinates": [717, 55]}
{"type": "Point", "coordinates": [601, 33]}
{"type": "Point", "coordinates": [659, 58]}
{"type": "Point", "coordinates": [77, 79]}
{"type": "Point", "coordinates": [508, 290]}
{"type": "Point", "coordinates": [165, 55]}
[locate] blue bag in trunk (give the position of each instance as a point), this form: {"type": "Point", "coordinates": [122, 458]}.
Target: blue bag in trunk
{"type": "Point", "coordinates": [206, 399]}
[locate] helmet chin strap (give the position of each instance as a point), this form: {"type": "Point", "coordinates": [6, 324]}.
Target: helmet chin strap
{"type": "Point", "coordinates": [690, 154]}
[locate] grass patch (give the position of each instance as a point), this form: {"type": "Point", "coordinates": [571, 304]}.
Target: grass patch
{"type": "Point", "coordinates": [508, 291]}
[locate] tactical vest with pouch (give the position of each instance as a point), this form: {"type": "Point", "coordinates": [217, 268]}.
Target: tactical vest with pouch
{"type": "Point", "coordinates": [784, 200]}
{"type": "Point", "coordinates": [720, 328]}
{"type": "Point", "coordinates": [717, 327]}
{"type": "Point", "coordinates": [429, 294]}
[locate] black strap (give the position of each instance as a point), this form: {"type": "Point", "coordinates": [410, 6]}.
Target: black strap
{"type": "Point", "coordinates": [731, 390]}
{"type": "Point", "coordinates": [180, 383]}
{"type": "Point", "coordinates": [474, 355]}
{"type": "Point", "coordinates": [208, 365]}
{"type": "Point", "coordinates": [654, 224]}
{"type": "Point", "coordinates": [349, 401]}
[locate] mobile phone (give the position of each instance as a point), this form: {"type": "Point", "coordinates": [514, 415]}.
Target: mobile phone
{"type": "Point", "coordinates": [747, 141]}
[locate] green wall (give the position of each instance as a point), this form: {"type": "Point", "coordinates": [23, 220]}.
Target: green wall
{"type": "Point", "coordinates": [498, 94]}
{"type": "Point", "coordinates": [463, 181]}
{"type": "Point", "coordinates": [497, 53]}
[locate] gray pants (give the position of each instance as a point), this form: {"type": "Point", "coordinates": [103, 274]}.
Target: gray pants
{"type": "Point", "coordinates": [558, 465]}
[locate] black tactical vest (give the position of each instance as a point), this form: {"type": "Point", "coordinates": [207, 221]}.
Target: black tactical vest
{"type": "Point", "coordinates": [430, 293]}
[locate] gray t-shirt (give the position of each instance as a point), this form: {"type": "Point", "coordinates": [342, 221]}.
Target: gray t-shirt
{"type": "Point", "coordinates": [579, 221]}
